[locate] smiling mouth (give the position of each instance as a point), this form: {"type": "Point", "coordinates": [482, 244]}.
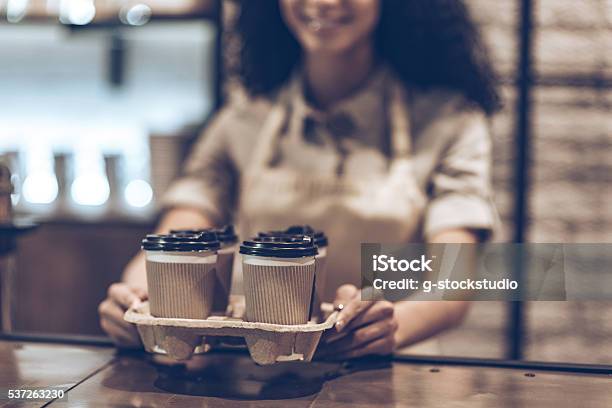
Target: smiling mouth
{"type": "Point", "coordinates": [320, 24]}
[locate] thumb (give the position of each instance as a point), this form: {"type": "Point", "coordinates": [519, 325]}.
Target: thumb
{"type": "Point", "coordinates": [344, 294]}
{"type": "Point", "coordinates": [140, 292]}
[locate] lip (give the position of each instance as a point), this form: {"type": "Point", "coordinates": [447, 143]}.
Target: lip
{"type": "Point", "coordinates": [323, 23]}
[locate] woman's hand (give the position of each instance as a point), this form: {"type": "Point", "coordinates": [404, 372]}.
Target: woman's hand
{"type": "Point", "coordinates": [362, 327]}
{"type": "Point", "coordinates": [120, 297]}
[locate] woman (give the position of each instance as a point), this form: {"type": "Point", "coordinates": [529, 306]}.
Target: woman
{"type": "Point", "coordinates": [365, 118]}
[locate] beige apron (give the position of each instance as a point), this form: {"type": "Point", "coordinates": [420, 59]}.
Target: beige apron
{"type": "Point", "coordinates": [350, 210]}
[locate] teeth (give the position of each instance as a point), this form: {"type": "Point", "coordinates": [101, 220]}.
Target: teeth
{"type": "Point", "coordinates": [316, 24]}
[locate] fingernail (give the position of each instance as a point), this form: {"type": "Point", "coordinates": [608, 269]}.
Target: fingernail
{"type": "Point", "coordinates": [339, 325]}
{"type": "Point", "coordinates": [333, 338]}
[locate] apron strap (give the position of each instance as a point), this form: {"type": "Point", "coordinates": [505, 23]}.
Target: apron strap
{"type": "Point", "coordinates": [401, 141]}
{"type": "Point", "coordinates": [268, 136]}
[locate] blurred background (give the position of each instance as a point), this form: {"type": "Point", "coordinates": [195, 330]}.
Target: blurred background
{"type": "Point", "coordinates": [95, 91]}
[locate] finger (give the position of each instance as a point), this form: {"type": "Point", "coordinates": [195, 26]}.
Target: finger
{"type": "Point", "coordinates": [238, 310]}
{"type": "Point", "coordinates": [141, 293]}
{"type": "Point", "coordinates": [330, 335]}
{"type": "Point", "coordinates": [118, 321]}
{"type": "Point", "coordinates": [382, 346]}
{"type": "Point", "coordinates": [122, 294]}
{"type": "Point", "coordinates": [120, 335]}
{"type": "Point", "coordinates": [111, 310]}
{"type": "Point", "coordinates": [380, 310]}
{"type": "Point", "coordinates": [129, 337]}
{"type": "Point", "coordinates": [345, 293]}
{"type": "Point", "coordinates": [114, 331]}
{"type": "Point", "coordinates": [350, 311]}
{"type": "Point", "coordinates": [367, 334]}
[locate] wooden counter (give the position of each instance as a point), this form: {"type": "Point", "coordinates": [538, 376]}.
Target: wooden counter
{"type": "Point", "coordinates": [37, 366]}
{"type": "Point", "coordinates": [95, 376]}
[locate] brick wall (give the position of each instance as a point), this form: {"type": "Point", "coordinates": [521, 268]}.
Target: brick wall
{"type": "Point", "coordinates": [571, 173]}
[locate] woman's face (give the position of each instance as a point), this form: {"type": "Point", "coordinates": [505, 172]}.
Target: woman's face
{"type": "Point", "coordinates": [331, 25]}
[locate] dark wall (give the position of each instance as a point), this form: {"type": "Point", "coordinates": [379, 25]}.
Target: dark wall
{"type": "Point", "coordinates": [64, 269]}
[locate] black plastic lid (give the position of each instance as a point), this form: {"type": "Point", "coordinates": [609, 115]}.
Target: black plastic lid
{"type": "Point", "coordinates": [319, 236]}
{"type": "Point", "coordinates": [181, 242]}
{"type": "Point", "coordinates": [275, 248]}
{"type": "Point", "coordinates": [226, 234]}
{"type": "Point", "coordinates": [272, 234]}
{"type": "Point", "coordinates": [320, 239]}
{"type": "Point", "coordinates": [285, 238]}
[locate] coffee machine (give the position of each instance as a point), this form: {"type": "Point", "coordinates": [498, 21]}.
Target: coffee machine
{"type": "Point", "coordinates": [10, 229]}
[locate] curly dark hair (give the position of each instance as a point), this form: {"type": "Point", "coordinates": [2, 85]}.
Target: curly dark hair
{"type": "Point", "coordinates": [429, 43]}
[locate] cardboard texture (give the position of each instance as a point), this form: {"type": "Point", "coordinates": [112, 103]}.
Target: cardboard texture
{"type": "Point", "coordinates": [223, 279]}
{"type": "Point", "coordinates": [278, 294]}
{"type": "Point", "coordinates": [267, 343]}
{"type": "Point", "coordinates": [183, 290]}
{"type": "Point", "coordinates": [320, 284]}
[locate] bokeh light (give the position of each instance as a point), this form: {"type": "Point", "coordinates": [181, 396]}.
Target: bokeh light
{"type": "Point", "coordinates": [90, 189]}
{"type": "Point", "coordinates": [77, 12]}
{"type": "Point", "coordinates": [16, 10]}
{"type": "Point", "coordinates": [40, 188]}
{"type": "Point", "coordinates": [135, 15]}
{"type": "Point", "coordinates": [138, 193]}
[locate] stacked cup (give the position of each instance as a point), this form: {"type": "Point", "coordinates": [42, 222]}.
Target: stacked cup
{"type": "Point", "coordinates": [181, 274]}
{"type": "Point", "coordinates": [225, 260]}
{"type": "Point", "coordinates": [278, 279]}
{"type": "Point", "coordinates": [321, 242]}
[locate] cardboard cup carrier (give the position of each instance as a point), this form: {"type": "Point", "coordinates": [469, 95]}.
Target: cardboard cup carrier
{"type": "Point", "coordinates": [267, 343]}
{"type": "Point", "coordinates": [182, 277]}
{"type": "Point", "coordinates": [181, 274]}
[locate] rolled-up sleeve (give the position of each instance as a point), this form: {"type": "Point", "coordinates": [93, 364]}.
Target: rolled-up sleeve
{"type": "Point", "coordinates": [460, 190]}
{"type": "Point", "coordinates": [209, 176]}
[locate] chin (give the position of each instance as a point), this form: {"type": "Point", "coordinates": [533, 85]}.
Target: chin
{"type": "Point", "coordinates": [330, 45]}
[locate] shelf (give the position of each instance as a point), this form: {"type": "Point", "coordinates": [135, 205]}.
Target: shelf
{"type": "Point", "coordinates": [107, 15]}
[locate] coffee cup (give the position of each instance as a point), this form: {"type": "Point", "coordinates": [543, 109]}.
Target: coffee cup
{"type": "Point", "coordinates": [278, 280]}
{"type": "Point", "coordinates": [321, 242]}
{"type": "Point", "coordinates": [181, 274]}
{"type": "Point", "coordinates": [225, 261]}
